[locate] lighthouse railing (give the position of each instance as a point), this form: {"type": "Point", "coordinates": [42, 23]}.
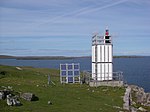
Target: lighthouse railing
{"type": "Point", "coordinates": [89, 77]}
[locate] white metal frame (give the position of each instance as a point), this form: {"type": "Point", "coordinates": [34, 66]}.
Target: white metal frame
{"type": "Point", "coordinates": [66, 77]}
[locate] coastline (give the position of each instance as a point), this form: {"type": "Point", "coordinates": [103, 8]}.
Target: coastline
{"type": "Point", "coordinates": [55, 57]}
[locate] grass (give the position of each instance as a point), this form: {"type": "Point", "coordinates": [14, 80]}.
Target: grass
{"type": "Point", "coordinates": [64, 97]}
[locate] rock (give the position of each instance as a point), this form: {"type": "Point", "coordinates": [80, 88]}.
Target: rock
{"type": "Point", "coordinates": [18, 68]}
{"type": "Point", "coordinates": [105, 90]}
{"type": "Point", "coordinates": [9, 100]}
{"type": "Point", "coordinates": [141, 97]}
{"type": "Point", "coordinates": [133, 103]}
{"type": "Point", "coordinates": [9, 87]}
{"type": "Point", "coordinates": [12, 100]}
{"type": "Point", "coordinates": [126, 99]}
{"type": "Point", "coordinates": [49, 102]}
{"type": "Point", "coordinates": [133, 109]}
{"type": "Point", "coordinates": [4, 87]}
{"type": "Point", "coordinates": [29, 97]}
{"type": "Point", "coordinates": [2, 96]}
{"type": "Point", "coordinates": [78, 98]}
{"type": "Point", "coordinates": [147, 100]}
{"type": "Point", "coordinates": [117, 107]}
{"type": "Point", "coordinates": [4, 93]}
{"type": "Point", "coordinates": [16, 102]}
{"type": "Point", "coordinates": [142, 109]}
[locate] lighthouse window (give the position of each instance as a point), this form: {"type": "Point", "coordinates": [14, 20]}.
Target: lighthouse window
{"type": "Point", "coordinates": [106, 37]}
{"type": "Point", "coordinates": [107, 41]}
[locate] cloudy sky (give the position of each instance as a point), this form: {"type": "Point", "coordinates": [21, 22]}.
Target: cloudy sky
{"type": "Point", "coordinates": [65, 27]}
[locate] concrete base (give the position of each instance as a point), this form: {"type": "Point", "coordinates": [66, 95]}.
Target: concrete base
{"type": "Point", "coordinates": [106, 83]}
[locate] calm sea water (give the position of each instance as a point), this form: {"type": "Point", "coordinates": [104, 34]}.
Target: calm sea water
{"type": "Point", "coordinates": [135, 70]}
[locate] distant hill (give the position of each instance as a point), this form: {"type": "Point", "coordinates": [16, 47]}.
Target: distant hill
{"type": "Point", "coordinates": [54, 57]}
{"type": "Point", "coordinates": [34, 57]}
{"type": "Point", "coordinates": [6, 57]}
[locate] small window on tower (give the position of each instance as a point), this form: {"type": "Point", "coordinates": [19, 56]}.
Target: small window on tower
{"type": "Point", "coordinates": [107, 37]}
{"type": "Point", "coordinates": [107, 41]}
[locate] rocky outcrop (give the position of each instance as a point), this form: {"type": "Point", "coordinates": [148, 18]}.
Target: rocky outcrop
{"type": "Point", "coordinates": [8, 94]}
{"type": "Point", "coordinates": [13, 100]}
{"type": "Point", "coordinates": [135, 95]}
{"type": "Point", "coordinates": [140, 96]}
{"type": "Point", "coordinates": [4, 93]}
{"type": "Point", "coordinates": [126, 99]}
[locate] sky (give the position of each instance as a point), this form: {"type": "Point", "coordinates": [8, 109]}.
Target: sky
{"type": "Point", "coordinates": [65, 27]}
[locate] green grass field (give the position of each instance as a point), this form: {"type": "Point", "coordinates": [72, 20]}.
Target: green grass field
{"type": "Point", "coordinates": [64, 97]}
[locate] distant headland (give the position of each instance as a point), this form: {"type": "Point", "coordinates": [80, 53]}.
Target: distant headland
{"type": "Point", "coordinates": [55, 57]}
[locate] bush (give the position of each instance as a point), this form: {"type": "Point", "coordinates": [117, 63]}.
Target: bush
{"type": "Point", "coordinates": [3, 73]}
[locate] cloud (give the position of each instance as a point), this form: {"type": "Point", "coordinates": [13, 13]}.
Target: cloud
{"type": "Point", "coordinates": [81, 11]}
{"type": "Point", "coordinates": [68, 24]}
{"type": "Point", "coordinates": [102, 7]}
{"type": "Point", "coordinates": [17, 49]}
{"type": "Point", "coordinates": [131, 52]}
{"type": "Point", "coordinates": [46, 52]}
{"type": "Point", "coordinates": [65, 51]}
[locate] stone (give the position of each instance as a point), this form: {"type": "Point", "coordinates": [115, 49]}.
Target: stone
{"type": "Point", "coordinates": [142, 98]}
{"type": "Point", "coordinates": [9, 87]}
{"type": "Point", "coordinates": [49, 102]}
{"type": "Point", "coordinates": [148, 99]}
{"type": "Point", "coordinates": [12, 100]}
{"type": "Point", "coordinates": [9, 100]}
{"type": "Point", "coordinates": [18, 68]}
{"type": "Point", "coordinates": [133, 103]}
{"type": "Point", "coordinates": [126, 99]}
{"type": "Point", "coordinates": [133, 109]}
{"type": "Point", "coordinates": [2, 96]}
{"type": "Point", "coordinates": [29, 97]}
{"type": "Point", "coordinates": [4, 93]}
{"type": "Point", "coordinates": [142, 109]}
{"type": "Point", "coordinates": [117, 107]}
{"type": "Point", "coordinates": [16, 102]}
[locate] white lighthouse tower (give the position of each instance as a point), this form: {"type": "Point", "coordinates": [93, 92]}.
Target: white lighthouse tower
{"type": "Point", "coordinates": [102, 55]}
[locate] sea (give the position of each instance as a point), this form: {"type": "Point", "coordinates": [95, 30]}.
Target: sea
{"type": "Point", "coordinates": [135, 70]}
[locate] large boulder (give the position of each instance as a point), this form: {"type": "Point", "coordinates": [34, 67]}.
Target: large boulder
{"type": "Point", "coordinates": [13, 100]}
{"type": "Point", "coordinates": [4, 93]}
{"type": "Point", "coordinates": [29, 97]}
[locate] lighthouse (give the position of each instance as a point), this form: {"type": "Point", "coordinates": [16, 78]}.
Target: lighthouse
{"type": "Point", "coordinates": [102, 57]}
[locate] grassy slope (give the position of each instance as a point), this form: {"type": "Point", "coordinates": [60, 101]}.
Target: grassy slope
{"type": "Point", "coordinates": [65, 98]}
